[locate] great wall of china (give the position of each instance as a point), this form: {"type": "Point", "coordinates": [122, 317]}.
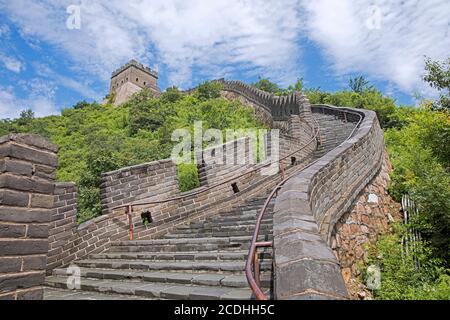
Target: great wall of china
{"type": "Point", "coordinates": [198, 243]}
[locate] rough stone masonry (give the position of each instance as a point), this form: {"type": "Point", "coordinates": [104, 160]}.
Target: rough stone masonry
{"type": "Point", "coordinates": [27, 173]}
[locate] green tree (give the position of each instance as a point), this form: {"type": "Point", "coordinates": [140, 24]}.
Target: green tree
{"type": "Point", "coordinates": [26, 117]}
{"type": "Point", "coordinates": [297, 87]}
{"type": "Point", "coordinates": [265, 84]}
{"type": "Point", "coordinates": [209, 90]}
{"type": "Point", "coordinates": [359, 84]}
{"type": "Point", "coordinates": [400, 277]}
{"type": "Point", "coordinates": [438, 77]}
{"type": "Point", "coordinates": [81, 105]}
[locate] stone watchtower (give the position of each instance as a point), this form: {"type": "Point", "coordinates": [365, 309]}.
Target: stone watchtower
{"type": "Point", "coordinates": [132, 78]}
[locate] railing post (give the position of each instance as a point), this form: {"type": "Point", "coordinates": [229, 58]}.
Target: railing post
{"type": "Point", "coordinates": [256, 269]}
{"type": "Point", "coordinates": [130, 221]}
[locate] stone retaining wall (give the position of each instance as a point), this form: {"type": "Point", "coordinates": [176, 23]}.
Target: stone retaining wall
{"type": "Point", "coordinates": [310, 204]}
{"type": "Point", "coordinates": [371, 215]}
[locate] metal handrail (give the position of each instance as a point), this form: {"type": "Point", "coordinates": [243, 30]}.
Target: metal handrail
{"type": "Point", "coordinates": [252, 263]}
{"type": "Point", "coordinates": [129, 207]}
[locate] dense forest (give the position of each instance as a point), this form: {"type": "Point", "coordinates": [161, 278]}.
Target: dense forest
{"type": "Point", "coordinates": [96, 138]}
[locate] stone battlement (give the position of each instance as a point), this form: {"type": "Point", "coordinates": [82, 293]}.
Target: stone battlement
{"type": "Point", "coordinates": [136, 64]}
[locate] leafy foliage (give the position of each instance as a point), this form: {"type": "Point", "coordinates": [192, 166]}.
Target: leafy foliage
{"type": "Point", "coordinates": [438, 77]}
{"type": "Point", "coordinates": [97, 138]}
{"type": "Point", "coordinates": [359, 84]}
{"type": "Point", "coordinates": [208, 90]}
{"type": "Point", "coordinates": [370, 99]}
{"type": "Point", "coordinates": [265, 84]}
{"type": "Point", "coordinates": [420, 155]}
{"type": "Point", "coordinates": [188, 177]}
{"type": "Point", "coordinates": [401, 279]}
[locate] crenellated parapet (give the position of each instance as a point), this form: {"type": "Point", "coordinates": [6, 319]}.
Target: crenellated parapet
{"type": "Point", "coordinates": [274, 111]}
{"type": "Point", "coordinates": [280, 107]}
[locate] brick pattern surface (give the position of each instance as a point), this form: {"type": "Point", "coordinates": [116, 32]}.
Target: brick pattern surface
{"type": "Point", "coordinates": [27, 173]}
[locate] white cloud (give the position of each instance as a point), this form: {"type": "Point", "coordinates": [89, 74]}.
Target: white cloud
{"type": "Point", "coordinates": [53, 77]}
{"type": "Point", "coordinates": [257, 37]}
{"type": "Point", "coordinates": [12, 64]}
{"type": "Point", "coordinates": [395, 51]}
{"type": "Point", "coordinates": [4, 31]}
{"type": "Point", "coordinates": [40, 100]}
{"type": "Point", "coordinates": [206, 35]}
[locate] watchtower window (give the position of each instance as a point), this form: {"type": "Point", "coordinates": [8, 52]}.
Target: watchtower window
{"type": "Point", "coordinates": [137, 79]}
{"type": "Point", "coordinates": [145, 83]}
{"type": "Point", "coordinates": [235, 188]}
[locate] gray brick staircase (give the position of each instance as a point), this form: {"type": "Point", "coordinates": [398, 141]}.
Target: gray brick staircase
{"type": "Point", "coordinates": [200, 260]}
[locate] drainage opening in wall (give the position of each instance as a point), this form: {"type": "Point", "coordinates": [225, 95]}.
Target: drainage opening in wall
{"type": "Point", "coordinates": [293, 161]}
{"type": "Point", "coordinates": [146, 217]}
{"type": "Point", "coordinates": [235, 187]}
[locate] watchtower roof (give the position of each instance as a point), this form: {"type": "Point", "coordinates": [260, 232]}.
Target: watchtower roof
{"type": "Point", "coordinates": [138, 65]}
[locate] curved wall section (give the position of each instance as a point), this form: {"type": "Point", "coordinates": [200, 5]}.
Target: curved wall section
{"type": "Point", "coordinates": [309, 205]}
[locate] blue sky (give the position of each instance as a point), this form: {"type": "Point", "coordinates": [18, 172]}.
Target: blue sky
{"type": "Point", "coordinates": [51, 56]}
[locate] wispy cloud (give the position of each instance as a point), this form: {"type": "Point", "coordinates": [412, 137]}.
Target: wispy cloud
{"type": "Point", "coordinates": [199, 34]}
{"type": "Point", "coordinates": [81, 87]}
{"type": "Point", "coordinates": [40, 100]}
{"type": "Point", "coordinates": [12, 64]}
{"type": "Point", "coordinates": [248, 37]}
{"type": "Point", "coordinates": [385, 39]}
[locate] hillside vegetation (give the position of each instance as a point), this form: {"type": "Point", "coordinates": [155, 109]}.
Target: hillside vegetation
{"type": "Point", "coordinates": [97, 138]}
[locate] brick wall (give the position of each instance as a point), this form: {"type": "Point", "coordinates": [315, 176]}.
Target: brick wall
{"type": "Point", "coordinates": [310, 204]}
{"type": "Point", "coordinates": [155, 181]}
{"type": "Point", "coordinates": [27, 172]}
{"type": "Point", "coordinates": [146, 181]}
{"type": "Point", "coordinates": [63, 226]}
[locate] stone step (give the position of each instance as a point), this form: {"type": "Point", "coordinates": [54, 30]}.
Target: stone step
{"type": "Point", "coordinates": [187, 244]}
{"type": "Point", "coordinates": [213, 234]}
{"type": "Point", "coordinates": [193, 266]}
{"type": "Point", "coordinates": [156, 290]}
{"type": "Point", "coordinates": [225, 229]}
{"type": "Point", "coordinates": [54, 294]}
{"type": "Point", "coordinates": [224, 224]}
{"type": "Point", "coordinates": [248, 219]}
{"type": "Point", "coordinates": [183, 256]}
{"type": "Point", "coordinates": [202, 279]}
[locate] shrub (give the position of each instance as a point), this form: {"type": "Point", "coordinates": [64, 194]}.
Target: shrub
{"type": "Point", "coordinates": [188, 178]}
{"type": "Point", "coordinates": [401, 279]}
